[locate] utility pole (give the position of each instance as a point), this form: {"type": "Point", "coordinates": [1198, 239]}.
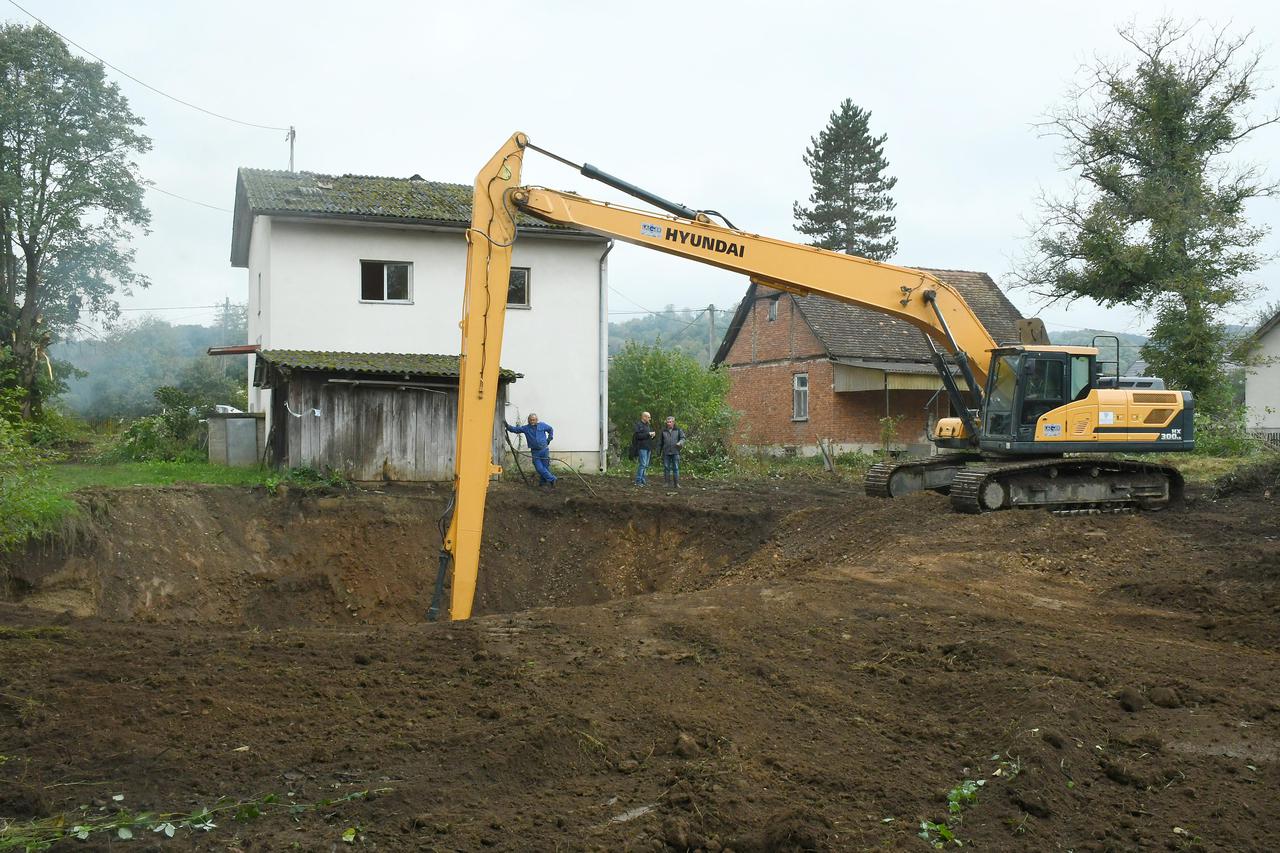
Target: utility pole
{"type": "Point", "coordinates": [711, 333]}
{"type": "Point", "coordinates": [291, 136]}
{"type": "Point", "coordinates": [226, 329]}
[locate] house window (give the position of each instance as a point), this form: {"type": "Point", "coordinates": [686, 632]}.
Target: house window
{"type": "Point", "coordinates": [773, 310]}
{"type": "Point", "coordinates": [385, 281]}
{"type": "Point", "coordinates": [518, 288]}
{"type": "Point", "coordinates": [800, 397]}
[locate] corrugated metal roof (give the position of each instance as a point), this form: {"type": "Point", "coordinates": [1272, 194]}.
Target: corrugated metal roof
{"type": "Point", "coordinates": [912, 367]}
{"type": "Point", "coordinates": [849, 331]}
{"type": "Point", "coordinates": [392, 363]}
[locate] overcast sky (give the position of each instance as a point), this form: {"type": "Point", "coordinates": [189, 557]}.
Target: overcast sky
{"type": "Point", "coordinates": [711, 104]}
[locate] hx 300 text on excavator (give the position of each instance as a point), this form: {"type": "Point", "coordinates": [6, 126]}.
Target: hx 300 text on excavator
{"type": "Point", "coordinates": [1022, 407]}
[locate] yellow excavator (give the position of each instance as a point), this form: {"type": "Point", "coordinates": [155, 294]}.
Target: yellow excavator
{"type": "Point", "coordinates": [1023, 406]}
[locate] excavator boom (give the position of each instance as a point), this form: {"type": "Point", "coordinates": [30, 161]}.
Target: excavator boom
{"type": "Point", "coordinates": [489, 239]}
{"type": "Point", "coordinates": [911, 295]}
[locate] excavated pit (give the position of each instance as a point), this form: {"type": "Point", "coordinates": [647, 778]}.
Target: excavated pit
{"type": "Point", "coordinates": [235, 558]}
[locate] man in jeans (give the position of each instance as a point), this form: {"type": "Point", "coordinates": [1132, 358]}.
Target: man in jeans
{"type": "Point", "coordinates": [669, 444]}
{"type": "Point", "coordinates": [642, 443]}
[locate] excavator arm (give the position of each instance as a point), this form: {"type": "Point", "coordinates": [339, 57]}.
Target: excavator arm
{"type": "Point", "coordinates": [917, 297]}
{"type": "Point", "coordinates": [911, 295]}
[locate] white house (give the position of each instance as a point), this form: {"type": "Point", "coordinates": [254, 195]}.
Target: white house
{"type": "Point", "coordinates": [362, 264]}
{"type": "Point", "coordinates": [1262, 383]}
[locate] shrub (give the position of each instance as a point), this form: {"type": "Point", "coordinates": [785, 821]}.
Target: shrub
{"type": "Point", "coordinates": [174, 435]}
{"type": "Point", "coordinates": [27, 507]}
{"type": "Point", "coordinates": [306, 478]}
{"type": "Point", "coordinates": [1225, 433]}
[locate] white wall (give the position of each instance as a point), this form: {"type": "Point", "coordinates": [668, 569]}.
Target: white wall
{"type": "Point", "coordinates": [312, 296]}
{"type": "Point", "coordinates": [1262, 385]}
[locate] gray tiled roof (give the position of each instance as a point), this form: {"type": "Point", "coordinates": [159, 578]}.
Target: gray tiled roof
{"type": "Point", "coordinates": [389, 363]}
{"type": "Point", "coordinates": [849, 331]}
{"type": "Point", "coordinates": [359, 197]}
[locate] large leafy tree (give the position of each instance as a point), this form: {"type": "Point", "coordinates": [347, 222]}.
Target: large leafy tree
{"type": "Point", "coordinates": [70, 196]}
{"type": "Point", "coordinates": [1158, 217]}
{"type": "Point", "coordinates": [669, 382]}
{"type": "Point", "coordinates": [850, 206]}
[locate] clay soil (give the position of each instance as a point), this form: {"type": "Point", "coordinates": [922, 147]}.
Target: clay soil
{"type": "Point", "coordinates": [768, 667]}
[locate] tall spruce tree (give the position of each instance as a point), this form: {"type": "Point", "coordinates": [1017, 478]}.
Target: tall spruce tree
{"type": "Point", "coordinates": [849, 207]}
{"type": "Point", "coordinates": [1158, 217]}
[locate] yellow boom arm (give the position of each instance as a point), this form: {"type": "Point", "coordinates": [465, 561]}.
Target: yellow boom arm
{"type": "Point", "coordinates": [917, 297]}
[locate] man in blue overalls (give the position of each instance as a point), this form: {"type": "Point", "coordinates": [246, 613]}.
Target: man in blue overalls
{"type": "Point", "coordinates": [538, 436]}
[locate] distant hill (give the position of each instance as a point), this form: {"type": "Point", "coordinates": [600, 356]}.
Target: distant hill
{"type": "Point", "coordinates": [1130, 346]}
{"type": "Point", "coordinates": [683, 329]}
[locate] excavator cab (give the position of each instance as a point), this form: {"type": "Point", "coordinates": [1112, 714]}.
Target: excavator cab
{"type": "Point", "coordinates": [1055, 399]}
{"type": "Point", "coordinates": [1025, 384]}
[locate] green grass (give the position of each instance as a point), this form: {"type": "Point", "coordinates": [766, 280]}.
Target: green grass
{"type": "Point", "coordinates": [64, 479]}
{"type": "Point", "coordinates": [43, 507]}
{"type": "Point", "coordinates": [1204, 469]}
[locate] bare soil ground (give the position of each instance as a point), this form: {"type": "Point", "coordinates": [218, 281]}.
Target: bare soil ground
{"type": "Point", "coordinates": [785, 666]}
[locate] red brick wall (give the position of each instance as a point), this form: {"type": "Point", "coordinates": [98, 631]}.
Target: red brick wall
{"type": "Point", "coordinates": [762, 339]}
{"type": "Point", "coordinates": [761, 363]}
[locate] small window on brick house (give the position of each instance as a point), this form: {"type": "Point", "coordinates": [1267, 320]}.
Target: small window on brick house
{"type": "Point", "coordinates": [773, 310]}
{"type": "Point", "coordinates": [385, 281]}
{"type": "Point", "coordinates": [800, 397]}
{"type": "Point", "coordinates": [518, 288]}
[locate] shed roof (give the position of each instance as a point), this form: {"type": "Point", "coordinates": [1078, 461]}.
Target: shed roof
{"type": "Point", "coordinates": [408, 365]}
{"type": "Point", "coordinates": [851, 332]}
{"type": "Point", "coordinates": [364, 198]}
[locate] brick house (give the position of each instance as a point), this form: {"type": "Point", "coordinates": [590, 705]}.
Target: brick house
{"type": "Point", "coordinates": [808, 368]}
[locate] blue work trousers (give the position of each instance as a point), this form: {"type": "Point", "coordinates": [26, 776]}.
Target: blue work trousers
{"type": "Point", "coordinates": [671, 464]}
{"type": "Point", "coordinates": [542, 464]}
{"type": "Point", "coordinates": [642, 466]}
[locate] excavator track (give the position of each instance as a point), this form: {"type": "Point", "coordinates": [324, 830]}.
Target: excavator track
{"type": "Point", "coordinates": [1066, 486]}
{"type": "Point", "coordinates": [895, 479]}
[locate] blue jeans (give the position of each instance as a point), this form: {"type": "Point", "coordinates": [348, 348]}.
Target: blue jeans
{"type": "Point", "coordinates": [642, 466]}
{"type": "Point", "coordinates": [671, 464]}
{"type": "Point", "coordinates": [542, 464]}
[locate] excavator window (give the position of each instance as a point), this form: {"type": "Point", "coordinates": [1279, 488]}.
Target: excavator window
{"type": "Point", "coordinates": [1044, 388]}
{"type": "Point", "coordinates": [1081, 376]}
{"type": "Point", "coordinates": [1001, 391]}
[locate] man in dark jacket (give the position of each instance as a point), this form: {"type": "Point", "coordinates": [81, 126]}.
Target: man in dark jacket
{"type": "Point", "coordinates": [669, 444]}
{"type": "Point", "coordinates": [642, 446]}
{"type": "Point", "coordinates": [538, 436]}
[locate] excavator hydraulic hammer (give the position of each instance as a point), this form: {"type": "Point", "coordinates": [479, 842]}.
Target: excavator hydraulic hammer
{"type": "Point", "coordinates": [489, 240]}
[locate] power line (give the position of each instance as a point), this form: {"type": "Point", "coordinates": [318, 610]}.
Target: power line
{"type": "Point", "coordinates": [674, 311]}
{"type": "Point", "coordinates": [175, 308]}
{"type": "Point", "coordinates": [119, 70]}
{"type": "Point", "coordinates": [191, 200]}
{"type": "Point", "coordinates": [623, 295]}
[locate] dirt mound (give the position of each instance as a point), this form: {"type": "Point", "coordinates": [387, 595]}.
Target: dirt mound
{"type": "Point", "coordinates": [225, 556]}
{"type": "Point", "coordinates": [814, 671]}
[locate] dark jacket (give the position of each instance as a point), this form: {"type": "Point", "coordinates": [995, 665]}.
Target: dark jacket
{"type": "Point", "coordinates": [670, 441]}
{"type": "Point", "coordinates": [641, 438]}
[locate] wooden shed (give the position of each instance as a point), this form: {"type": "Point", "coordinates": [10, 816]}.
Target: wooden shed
{"type": "Point", "coordinates": [370, 416]}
